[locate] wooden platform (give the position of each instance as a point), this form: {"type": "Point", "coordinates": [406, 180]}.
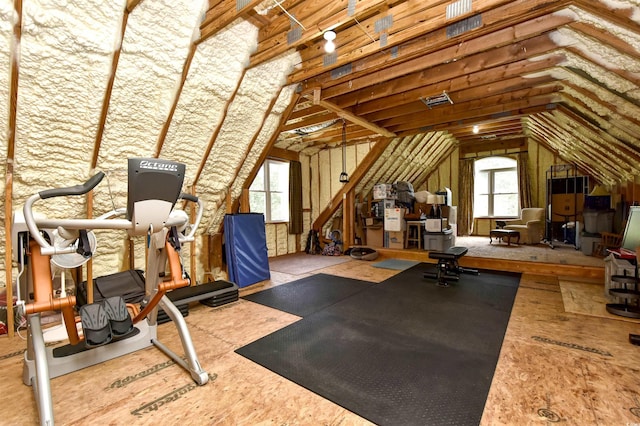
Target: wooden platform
{"type": "Point", "coordinates": [496, 264]}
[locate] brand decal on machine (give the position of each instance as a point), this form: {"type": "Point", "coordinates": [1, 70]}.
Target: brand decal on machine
{"type": "Point", "coordinates": [158, 165]}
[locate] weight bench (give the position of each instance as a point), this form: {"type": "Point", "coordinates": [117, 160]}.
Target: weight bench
{"type": "Point", "coordinates": [447, 268]}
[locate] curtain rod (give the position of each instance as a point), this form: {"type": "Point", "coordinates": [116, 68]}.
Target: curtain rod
{"type": "Point", "coordinates": [493, 155]}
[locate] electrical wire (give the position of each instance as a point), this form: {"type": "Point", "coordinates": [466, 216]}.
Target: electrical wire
{"type": "Point", "coordinates": [344, 146]}
{"type": "Point", "coordinates": [113, 202]}
{"type": "Point", "coordinates": [344, 176]}
{"type": "Point", "coordinates": [279, 4]}
{"type": "Point", "coordinates": [363, 29]}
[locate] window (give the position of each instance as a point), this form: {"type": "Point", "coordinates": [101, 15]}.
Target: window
{"type": "Point", "coordinates": [269, 192]}
{"type": "Point", "coordinates": [496, 187]}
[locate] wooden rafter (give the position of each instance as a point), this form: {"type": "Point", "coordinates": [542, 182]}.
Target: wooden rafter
{"type": "Point", "coordinates": [371, 157]}
{"type": "Point", "coordinates": [347, 115]}
{"type": "Point", "coordinates": [107, 95]}
{"type": "Point", "coordinates": [422, 39]}
{"type": "Point", "coordinates": [222, 14]}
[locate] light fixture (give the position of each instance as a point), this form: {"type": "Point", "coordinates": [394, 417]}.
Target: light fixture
{"type": "Point", "coordinates": [476, 129]}
{"type": "Point", "coordinates": [344, 176]}
{"type": "Point", "coordinates": [329, 45]}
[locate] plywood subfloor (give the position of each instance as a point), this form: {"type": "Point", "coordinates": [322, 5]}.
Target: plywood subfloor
{"type": "Point", "coordinates": [555, 366]}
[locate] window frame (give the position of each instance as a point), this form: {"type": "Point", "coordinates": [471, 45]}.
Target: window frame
{"type": "Point", "coordinates": [491, 172]}
{"type": "Point", "coordinates": [267, 191]}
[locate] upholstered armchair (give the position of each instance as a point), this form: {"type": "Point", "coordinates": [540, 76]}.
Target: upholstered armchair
{"type": "Point", "coordinates": [530, 224]}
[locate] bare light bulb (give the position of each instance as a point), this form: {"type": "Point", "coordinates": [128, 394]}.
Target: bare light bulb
{"type": "Point", "coordinates": [329, 46]}
{"type": "Point", "coordinates": [476, 129]}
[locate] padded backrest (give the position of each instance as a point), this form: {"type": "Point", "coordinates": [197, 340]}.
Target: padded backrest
{"type": "Point", "coordinates": [532, 213]}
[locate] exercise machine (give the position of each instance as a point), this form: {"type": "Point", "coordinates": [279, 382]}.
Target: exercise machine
{"type": "Point", "coordinates": [109, 328]}
{"type": "Point", "coordinates": [447, 268]}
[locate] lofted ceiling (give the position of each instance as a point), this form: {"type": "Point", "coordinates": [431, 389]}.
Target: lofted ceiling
{"type": "Point", "coordinates": [563, 73]}
{"type": "Point", "coordinates": [220, 85]}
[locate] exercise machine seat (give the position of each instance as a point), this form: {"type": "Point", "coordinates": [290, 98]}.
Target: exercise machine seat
{"type": "Point", "coordinates": [447, 268]}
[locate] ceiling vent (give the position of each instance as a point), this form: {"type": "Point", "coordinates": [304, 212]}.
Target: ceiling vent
{"type": "Point", "coordinates": [433, 101]}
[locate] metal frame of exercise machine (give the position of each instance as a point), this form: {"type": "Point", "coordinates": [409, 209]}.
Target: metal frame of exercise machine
{"type": "Point", "coordinates": [153, 189]}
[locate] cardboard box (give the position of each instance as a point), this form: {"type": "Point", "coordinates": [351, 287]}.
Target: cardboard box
{"type": "Point", "coordinates": [394, 239]}
{"type": "Point", "coordinates": [394, 220]}
{"type": "Point", "coordinates": [421, 208]}
{"type": "Point", "coordinates": [565, 207]}
{"type": "Point", "coordinates": [375, 237]}
{"type": "Point", "coordinates": [435, 225]}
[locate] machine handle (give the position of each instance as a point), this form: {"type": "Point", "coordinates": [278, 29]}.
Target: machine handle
{"type": "Point", "coordinates": [48, 249]}
{"type": "Point", "coordinates": [196, 223]}
{"type": "Point", "coordinates": [188, 197]}
{"type": "Point", "coordinates": [73, 190]}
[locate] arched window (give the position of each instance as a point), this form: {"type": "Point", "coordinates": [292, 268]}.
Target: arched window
{"type": "Point", "coordinates": [495, 188]}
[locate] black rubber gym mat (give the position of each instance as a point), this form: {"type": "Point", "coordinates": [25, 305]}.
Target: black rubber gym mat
{"type": "Point", "coordinates": [310, 294]}
{"type": "Point", "coordinates": [405, 351]}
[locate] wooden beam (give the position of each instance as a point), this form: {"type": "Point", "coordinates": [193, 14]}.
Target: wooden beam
{"type": "Point", "coordinates": [11, 145]}
{"type": "Point", "coordinates": [472, 148]}
{"type": "Point", "coordinates": [274, 37]}
{"type": "Point", "coordinates": [131, 4]}
{"type": "Point", "coordinates": [477, 85]}
{"type": "Point", "coordinates": [267, 148]}
{"type": "Point", "coordinates": [215, 244]}
{"type": "Point", "coordinates": [423, 36]}
{"type": "Point", "coordinates": [627, 154]}
{"type": "Point", "coordinates": [356, 176]}
{"type": "Point", "coordinates": [283, 154]}
{"type": "Point", "coordinates": [416, 122]}
{"type": "Point", "coordinates": [107, 95]}
{"type": "Point", "coordinates": [346, 115]}
{"type": "Point", "coordinates": [623, 17]}
{"type": "Point", "coordinates": [239, 203]}
{"type": "Point", "coordinates": [348, 219]}
{"type": "Point", "coordinates": [272, 141]}
{"type": "Point", "coordinates": [314, 120]}
{"type": "Point", "coordinates": [216, 132]}
{"type": "Point", "coordinates": [185, 72]}
{"type": "Point", "coordinates": [432, 69]}
{"type": "Point", "coordinates": [245, 204]}
{"type": "Point", "coordinates": [222, 15]}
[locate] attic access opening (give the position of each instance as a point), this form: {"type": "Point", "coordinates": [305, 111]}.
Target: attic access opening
{"type": "Point", "coordinates": [433, 101]}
